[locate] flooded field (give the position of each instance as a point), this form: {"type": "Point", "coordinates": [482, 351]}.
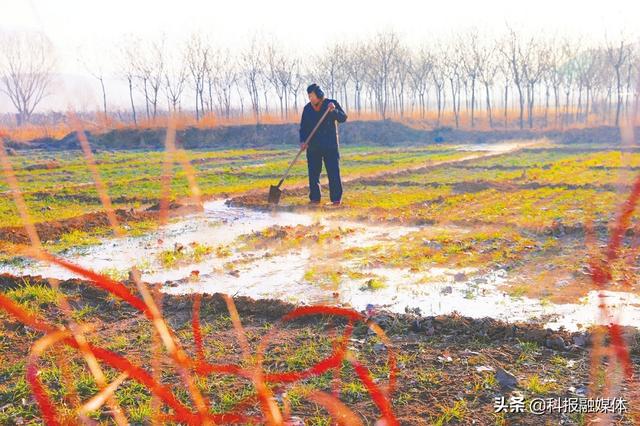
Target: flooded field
{"type": "Point", "coordinates": [477, 260]}
{"type": "Point", "coordinates": [285, 274]}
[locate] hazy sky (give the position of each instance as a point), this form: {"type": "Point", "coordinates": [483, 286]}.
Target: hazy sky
{"type": "Point", "coordinates": [301, 25]}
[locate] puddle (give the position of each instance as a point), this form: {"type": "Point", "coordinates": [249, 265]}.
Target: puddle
{"type": "Point", "coordinates": [491, 147]}
{"type": "Point", "coordinates": [263, 274]}
{"type": "Point", "coordinates": [218, 225]}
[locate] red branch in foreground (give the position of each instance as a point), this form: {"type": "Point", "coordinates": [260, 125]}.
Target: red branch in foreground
{"type": "Point", "coordinates": [202, 367]}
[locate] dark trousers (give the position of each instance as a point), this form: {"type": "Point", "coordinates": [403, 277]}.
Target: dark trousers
{"type": "Point", "coordinates": [331, 158]}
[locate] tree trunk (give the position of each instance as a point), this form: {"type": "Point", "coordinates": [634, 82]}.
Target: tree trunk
{"type": "Point", "coordinates": [133, 106]}
{"type": "Point", "coordinates": [454, 96]}
{"type": "Point", "coordinates": [488, 99]}
{"type": "Point", "coordinates": [104, 97]}
{"type": "Point", "coordinates": [473, 102]}
{"type": "Point", "coordinates": [521, 104]}
{"type": "Point", "coordinates": [146, 99]}
{"type": "Point", "coordinates": [506, 105]}
{"type": "Point", "coordinates": [619, 97]}
{"type": "Point", "coordinates": [547, 96]}
{"type": "Point", "coordinates": [587, 105]}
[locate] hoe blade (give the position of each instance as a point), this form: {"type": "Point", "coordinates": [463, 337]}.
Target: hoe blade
{"type": "Point", "coordinates": [274, 194]}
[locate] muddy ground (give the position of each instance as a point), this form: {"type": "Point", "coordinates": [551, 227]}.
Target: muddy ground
{"type": "Point", "coordinates": [53, 230]}
{"type": "Point", "coordinates": [450, 367]}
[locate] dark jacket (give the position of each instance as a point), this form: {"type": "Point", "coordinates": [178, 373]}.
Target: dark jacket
{"type": "Point", "coordinates": [327, 134]}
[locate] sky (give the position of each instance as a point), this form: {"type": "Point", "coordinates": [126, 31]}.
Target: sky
{"type": "Point", "coordinates": [76, 26]}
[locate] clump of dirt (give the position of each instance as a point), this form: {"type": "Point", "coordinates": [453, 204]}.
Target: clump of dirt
{"type": "Point", "coordinates": [47, 165]}
{"type": "Point", "coordinates": [176, 208]}
{"type": "Point", "coordinates": [286, 237]}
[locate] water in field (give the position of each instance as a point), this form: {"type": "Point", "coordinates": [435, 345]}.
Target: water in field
{"type": "Point", "coordinates": [261, 273]}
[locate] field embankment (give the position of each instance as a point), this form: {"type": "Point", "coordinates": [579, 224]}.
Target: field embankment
{"type": "Point", "coordinates": [383, 133]}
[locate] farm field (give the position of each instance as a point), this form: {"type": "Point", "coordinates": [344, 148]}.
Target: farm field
{"type": "Point", "coordinates": [445, 246]}
{"type": "Point", "coordinates": [458, 245]}
{"type": "Point", "coordinates": [58, 184]}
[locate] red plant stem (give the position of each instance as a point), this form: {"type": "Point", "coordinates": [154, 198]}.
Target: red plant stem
{"type": "Point", "coordinates": [105, 283]}
{"type": "Point", "coordinates": [377, 395]}
{"type": "Point", "coordinates": [195, 325]}
{"type": "Point", "coordinates": [48, 410]}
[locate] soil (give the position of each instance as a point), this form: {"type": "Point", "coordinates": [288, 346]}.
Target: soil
{"type": "Point", "coordinates": [442, 359]}
{"type": "Point", "coordinates": [257, 199]}
{"type": "Point", "coordinates": [53, 230]}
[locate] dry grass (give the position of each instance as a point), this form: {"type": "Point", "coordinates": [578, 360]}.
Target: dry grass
{"type": "Point", "coordinates": [413, 118]}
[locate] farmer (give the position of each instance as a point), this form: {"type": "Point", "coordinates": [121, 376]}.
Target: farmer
{"type": "Point", "coordinates": [324, 145]}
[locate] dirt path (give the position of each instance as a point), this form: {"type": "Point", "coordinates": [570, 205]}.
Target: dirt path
{"type": "Point", "coordinates": [492, 150]}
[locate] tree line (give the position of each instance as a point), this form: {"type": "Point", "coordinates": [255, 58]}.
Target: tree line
{"type": "Point", "coordinates": [467, 79]}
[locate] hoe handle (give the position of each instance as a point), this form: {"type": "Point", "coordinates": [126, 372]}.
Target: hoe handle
{"type": "Point", "coordinates": [313, 132]}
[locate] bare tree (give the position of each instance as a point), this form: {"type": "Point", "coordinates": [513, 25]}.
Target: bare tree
{"type": "Point", "coordinates": [298, 79]}
{"type": "Point", "coordinates": [151, 70]}
{"type": "Point", "coordinates": [534, 62]}
{"type": "Point", "coordinates": [330, 68]}
{"type": "Point", "coordinates": [513, 55]}
{"type": "Point", "coordinates": [26, 68]}
{"type": "Point", "coordinates": [383, 50]}
{"type": "Point", "coordinates": [618, 54]}
{"type": "Point", "coordinates": [175, 78]}
{"type": "Point", "coordinates": [420, 68]}
{"type": "Point", "coordinates": [630, 68]}
{"type": "Point", "coordinates": [488, 69]}
{"type": "Point", "coordinates": [263, 83]}
{"type": "Point", "coordinates": [568, 74]}
{"type": "Point", "coordinates": [226, 78]}
{"type": "Point", "coordinates": [197, 57]}
{"type": "Point", "coordinates": [439, 73]}
{"type": "Point", "coordinates": [356, 67]}
{"type": "Point", "coordinates": [344, 75]}
{"type": "Point", "coordinates": [453, 72]}
{"type": "Point", "coordinates": [251, 63]}
{"type": "Point", "coordinates": [588, 64]}
{"type": "Point", "coordinates": [505, 73]}
{"type": "Point", "coordinates": [213, 65]}
{"type": "Point", "coordinates": [471, 64]}
{"type": "Point", "coordinates": [279, 75]}
{"type": "Point", "coordinates": [533, 76]}
{"type": "Point", "coordinates": [399, 79]}
{"type": "Point", "coordinates": [553, 76]}
{"type": "Point", "coordinates": [95, 65]}
{"type": "Point", "coordinates": [128, 56]}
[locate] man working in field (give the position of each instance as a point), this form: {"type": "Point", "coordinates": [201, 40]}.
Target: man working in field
{"type": "Point", "coordinates": [324, 145]}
